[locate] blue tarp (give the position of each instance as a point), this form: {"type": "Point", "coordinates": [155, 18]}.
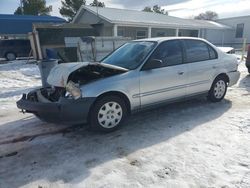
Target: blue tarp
{"type": "Point", "coordinates": [22, 24]}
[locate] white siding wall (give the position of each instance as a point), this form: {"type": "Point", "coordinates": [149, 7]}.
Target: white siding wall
{"type": "Point", "coordinates": [219, 37]}
{"type": "Point", "coordinates": [88, 19]}
{"type": "Point", "coordinates": [233, 23]}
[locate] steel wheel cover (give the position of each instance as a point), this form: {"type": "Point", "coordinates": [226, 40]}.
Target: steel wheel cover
{"type": "Point", "coordinates": [219, 89]}
{"type": "Point", "coordinates": [110, 115]}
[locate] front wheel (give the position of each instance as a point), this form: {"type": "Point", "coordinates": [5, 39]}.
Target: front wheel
{"type": "Point", "coordinates": [218, 90]}
{"type": "Point", "coordinates": [107, 114]}
{"type": "Point", "coordinates": [10, 56]}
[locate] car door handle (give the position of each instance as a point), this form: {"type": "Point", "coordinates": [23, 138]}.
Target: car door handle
{"type": "Point", "coordinates": [215, 67]}
{"type": "Point", "coordinates": [180, 73]}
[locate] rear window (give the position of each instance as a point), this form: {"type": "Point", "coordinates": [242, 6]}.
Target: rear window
{"type": "Point", "coordinates": [15, 43]}
{"type": "Point", "coordinates": [212, 53]}
{"type": "Point", "coordinates": [196, 51]}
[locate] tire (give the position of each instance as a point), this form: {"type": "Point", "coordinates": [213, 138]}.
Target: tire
{"type": "Point", "coordinates": [248, 70]}
{"type": "Point", "coordinates": [218, 89]}
{"type": "Point", "coordinates": [107, 114]}
{"type": "Point", "coordinates": [10, 56]}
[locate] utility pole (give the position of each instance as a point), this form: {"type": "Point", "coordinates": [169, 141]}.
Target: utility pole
{"type": "Point", "coordinates": [21, 5]}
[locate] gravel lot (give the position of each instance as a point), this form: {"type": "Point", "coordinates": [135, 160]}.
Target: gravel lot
{"type": "Point", "coordinates": [188, 144]}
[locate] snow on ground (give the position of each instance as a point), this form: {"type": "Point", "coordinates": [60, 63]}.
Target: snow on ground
{"type": "Point", "coordinates": [16, 78]}
{"type": "Point", "coordinates": [188, 144]}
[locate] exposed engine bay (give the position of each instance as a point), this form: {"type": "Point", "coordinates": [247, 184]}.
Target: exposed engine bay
{"type": "Point", "coordinates": [91, 73]}
{"type": "Point", "coordinates": [46, 95]}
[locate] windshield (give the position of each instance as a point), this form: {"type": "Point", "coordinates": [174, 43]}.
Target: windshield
{"type": "Point", "coordinates": [130, 55]}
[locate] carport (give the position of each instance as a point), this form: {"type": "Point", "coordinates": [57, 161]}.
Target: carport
{"type": "Point", "coordinates": [18, 26]}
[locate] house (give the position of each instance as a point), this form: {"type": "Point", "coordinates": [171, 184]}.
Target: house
{"type": "Point", "coordinates": [139, 24]}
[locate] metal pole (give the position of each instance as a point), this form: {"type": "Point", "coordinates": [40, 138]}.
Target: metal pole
{"type": "Point", "coordinates": [21, 5]}
{"type": "Point", "coordinates": [243, 49]}
{"type": "Point", "coordinates": [223, 38]}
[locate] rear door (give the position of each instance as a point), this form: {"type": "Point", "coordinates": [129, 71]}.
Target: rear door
{"type": "Point", "coordinates": [167, 82]}
{"type": "Point", "coordinates": [202, 61]}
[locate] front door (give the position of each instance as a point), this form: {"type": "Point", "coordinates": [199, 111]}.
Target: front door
{"type": "Point", "coordinates": [167, 82]}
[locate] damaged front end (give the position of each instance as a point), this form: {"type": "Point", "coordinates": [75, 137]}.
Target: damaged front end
{"type": "Point", "coordinates": [51, 105]}
{"type": "Point", "coordinates": [64, 102]}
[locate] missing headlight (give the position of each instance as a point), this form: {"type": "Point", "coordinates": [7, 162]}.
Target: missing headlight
{"type": "Point", "coordinates": [73, 89]}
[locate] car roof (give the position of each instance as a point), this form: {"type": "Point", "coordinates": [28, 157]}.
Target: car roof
{"type": "Point", "coordinates": [162, 39]}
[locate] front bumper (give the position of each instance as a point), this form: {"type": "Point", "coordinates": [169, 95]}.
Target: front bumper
{"type": "Point", "coordinates": [65, 111]}
{"type": "Point", "coordinates": [233, 77]}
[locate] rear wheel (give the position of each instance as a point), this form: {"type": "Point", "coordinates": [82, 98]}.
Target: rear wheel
{"type": "Point", "coordinates": [10, 56]}
{"type": "Point", "coordinates": [108, 114]}
{"type": "Point", "coordinates": [218, 89]}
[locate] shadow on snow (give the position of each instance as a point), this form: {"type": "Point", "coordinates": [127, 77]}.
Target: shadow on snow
{"type": "Point", "coordinates": [69, 157]}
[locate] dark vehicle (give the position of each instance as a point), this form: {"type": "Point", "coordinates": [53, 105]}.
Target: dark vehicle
{"type": "Point", "coordinates": [11, 49]}
{"type": "Point", "coordinates": [248, 59]}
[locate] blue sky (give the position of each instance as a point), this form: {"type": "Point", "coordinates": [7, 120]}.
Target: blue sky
{"type": "Point", "coordinates": [179, 8]}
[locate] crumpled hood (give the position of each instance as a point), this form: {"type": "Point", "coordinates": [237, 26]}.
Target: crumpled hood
{"type": "Point", "coordinates": [59, 74]}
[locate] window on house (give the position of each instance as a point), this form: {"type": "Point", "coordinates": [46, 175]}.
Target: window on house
{"type": "Point", "coordinates": [188, 33]}
{"type": "Point", "coordinates": [120, 32]}
{"type": "Point", "coordinates": [141, 34]}
{"type": "Point", "coordinates": [239, 30]}
{"type": "Point", "coordinates": [160, 34]}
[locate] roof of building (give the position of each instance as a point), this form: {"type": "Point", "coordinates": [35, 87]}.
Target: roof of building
{"type": "Point", "coordinates": [22, 24]}
{"type": "Point", "coordinates": [236, 17]}
{"type": "Point", "coordinates": [135, 17]}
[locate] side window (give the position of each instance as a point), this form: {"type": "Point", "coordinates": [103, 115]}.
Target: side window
{"type": "Point", "coordinates": [120, 32]}
{"type": "Point", "coordinates": [141, 34]}
{"type": "Point", "coordinates": [160, 34]}
{"type": "Point", "coordinates": [239, 30]}
{"type": "Point", "coordinates": [212, 53]}
{"type": "Point", "coordinates": [196, 51]}
{"type": "Point", "coordinates": [169, 52]}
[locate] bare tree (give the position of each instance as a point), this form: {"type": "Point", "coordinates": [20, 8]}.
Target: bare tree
{"type": "Point", "coordinates": [97, 3]}
{"type": "Point", "coordinates": [33, 7]}
{"type": "Point", "coordinates": [70, 7]}
{"type": "Point", "coordinates": [156, 9]}
{"type": "Point", "coordinates": [208, 15]}
{"type": "Point", "coordinates": [147, 9]}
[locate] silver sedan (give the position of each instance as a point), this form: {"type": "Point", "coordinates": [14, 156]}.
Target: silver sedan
{"type": "Point", "coordinates": [138, 75]}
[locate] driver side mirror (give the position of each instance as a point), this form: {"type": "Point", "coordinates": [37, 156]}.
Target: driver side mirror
{"type": "Point", "coordinates": [152, 64]}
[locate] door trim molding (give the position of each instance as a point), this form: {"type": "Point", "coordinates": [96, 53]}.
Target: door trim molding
{"type": "Point", "coordinates": [170, 89]}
